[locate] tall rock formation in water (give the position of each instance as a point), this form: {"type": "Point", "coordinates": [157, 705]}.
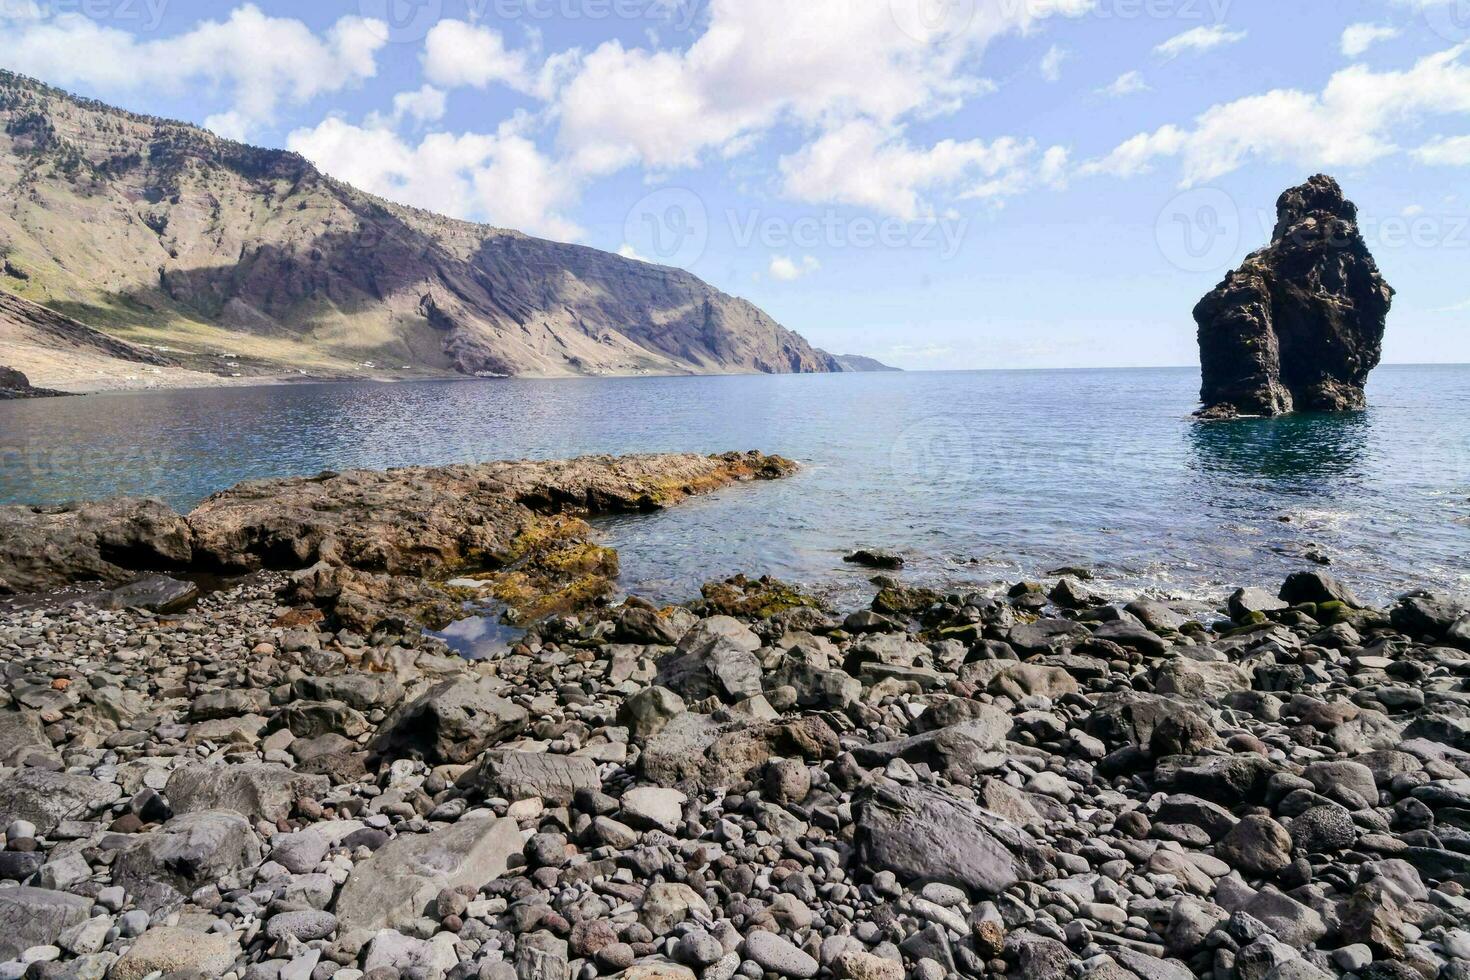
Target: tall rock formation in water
{"type": "Point", "coordinates": [1300, 324]}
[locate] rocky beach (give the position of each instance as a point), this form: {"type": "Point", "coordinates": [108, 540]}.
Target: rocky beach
{"type": "Point", "coordinates": [286, 777]}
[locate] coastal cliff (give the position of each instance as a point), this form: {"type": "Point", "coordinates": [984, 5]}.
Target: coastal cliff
{"type": "Point", "coordinates": [1300, 324]}
{"type": "Point", "coordinates": [247, 261]}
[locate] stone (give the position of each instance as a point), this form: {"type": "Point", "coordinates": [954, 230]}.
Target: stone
{"type": "Point", "coordinates": [654, 807]}
{"type": "Point", "coordinates": [778, 955]}
{"type": "Point", "coordinates": [261, 791]}
{"type": "Point", "coordinates": [1257, 845]}
{"type": "Point", "coordinates": [23, 740]}
{"type": "Point", "coordinates": [36, 917]}
{"type": "Point", "coordinates": [453, 722]}
{"type": "Point", "coordinates": [160, 869]}
{"type": "Point", "coordinates": [646, 713]}
{"type": "Point", "coordinates": [666, 904]}
{"type": "Point", "coordinates": [1300, 324]}
{"type": "Point", "coordinates": [168, 950]}
{"type": "Point", "coordinates": [536, 775]}
{"type": "Point", "coordinates": [925, 835]}
{"type": "Point", "coordinates": [305, 925]}
{"type": "Point", "coordinates": [155, 593]}
{"type": "Point", "coordinates": [47, 798]}
{"type": "Point", "coordinates": [1317, 587]}
{"type": "Point", "coordinates": [714, 659]}
{"type": "Point", "coordinates": [963, 750]}
{"type": "Point", "coordinates": [1323, 830]}
{"type": "Point", "coordinates": [46, 548]}
{"type": "Point", "coordinates": [398, 882]}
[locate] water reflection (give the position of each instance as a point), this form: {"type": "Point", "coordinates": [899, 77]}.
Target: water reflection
{"type": "Point", "coordinates": [1293, 453]}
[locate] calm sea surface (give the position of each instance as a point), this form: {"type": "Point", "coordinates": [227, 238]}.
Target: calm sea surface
{"type": "Point", "coordinates": [982, 476]}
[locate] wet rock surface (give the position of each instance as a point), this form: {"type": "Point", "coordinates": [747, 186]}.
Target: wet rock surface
{"type": "Point", "coordinates": [1300, 324]}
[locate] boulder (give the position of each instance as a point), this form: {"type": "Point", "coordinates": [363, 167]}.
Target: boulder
{"type": "Point", "coordinates": [397, 884]}
{"type": "Point", "coordinates": [37, 917]}
{"type": "Point", "coordinates": [453, 722]}
{"type": "Point", "coordinates": [536, 775]}
{"type": "Point", "coordinates": [161, 869]}
{"type": "Point", "coordinates": [260, 791]}
{"type": "Point", "coordinates": [23, 740]}
{"type": "Point", "coordinates": [173, 951]}
{"type": "Point", "coordinates": [47, 798]}
{"type": "Point", "coordinates": [697, 750]}
{"type": "Point", "coordinates": [45, 548]}
{"type": "Point", "coordinates": [961, 751]}
{"type": "Point", "coordinates": [1300, 324]}
{"type": "Point", "coordinates": [714, 659]}
{"type": "Point", "coordinates": [155, 593]}
{"type": "Point", "coordinates": [923, 834]}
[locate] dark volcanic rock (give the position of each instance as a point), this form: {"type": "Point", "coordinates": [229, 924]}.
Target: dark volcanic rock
{"type": "Point", "coordinates": [13, 384]}
{"type": "Point", "coordinates": [1300, 324]}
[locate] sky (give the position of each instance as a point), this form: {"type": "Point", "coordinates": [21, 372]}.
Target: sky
{"type": "Point", "coordinates": [942, 184]}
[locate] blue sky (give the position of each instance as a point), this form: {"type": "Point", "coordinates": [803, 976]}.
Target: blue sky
{"type": "Point", "coordinates": [938, 183]}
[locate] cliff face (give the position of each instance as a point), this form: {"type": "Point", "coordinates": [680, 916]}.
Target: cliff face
{"type": "Point", "coordinates": [1300, 324]}
{"type": "Point", "coordinates": [236, 258]}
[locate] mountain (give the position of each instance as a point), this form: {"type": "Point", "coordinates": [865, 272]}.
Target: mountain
{"type": "Point", "coordinates": [857, 362]}
{"type": "Point", "coordinates": [237, 260]}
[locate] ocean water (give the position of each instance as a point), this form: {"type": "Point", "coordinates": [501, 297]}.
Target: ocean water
{"type": "Point", "coordinates": [980, 477]}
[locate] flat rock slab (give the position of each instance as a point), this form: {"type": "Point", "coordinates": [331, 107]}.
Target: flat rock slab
{"type": "Point", "coordinates": [923, 835]}
{"type": "Point", "coordinates": [23, 738]}
{"type": "Point", "coordinates": [527, 775]}
{"type": "Point", "coordinates": [47, 798]}
{"type": "Point", "coordinates": [260, 791]}
{"type": "Point", "coordinates": [37, 917]}
{"type": "Point", "coordinates": [168, 950]}
{"type": "Point", "coordinates": [395, 886]}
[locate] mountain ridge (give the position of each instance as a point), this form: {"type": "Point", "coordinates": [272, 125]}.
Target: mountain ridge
{"type": "Point", "coordinates": [241, 260]}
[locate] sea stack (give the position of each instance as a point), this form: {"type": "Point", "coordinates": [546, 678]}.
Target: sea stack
{"type": "Point", "coordinates": [1300, 324]}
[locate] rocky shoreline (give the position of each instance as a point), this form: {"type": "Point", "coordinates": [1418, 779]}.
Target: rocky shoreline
{"type": "Point", "coordinates": [277, 782]}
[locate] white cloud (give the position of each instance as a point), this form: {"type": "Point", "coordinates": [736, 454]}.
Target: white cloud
{"type": "Point", "coordinates": [1199, 39]}
{"type": "Point", "coordinates": [1348, 124]}
{"type": "Point", "coordinates": [1051, 62]}
{"type": "Point", "coordinates": [258, 61]}
{"type": "Point", "coordinates": [786, 269]}
{"type": "Point", "coordinates": [502, 179]}
{"type": "Point", "coordinates": [629, 252]}
{"type": "Point", "coordinates": [425, 105]}
{"type": "Point", "coordinates": [1445, 151]}
{"type": "Point", "coordinates": [868, 165]}
{"type": "Point", "coordinates": [1129, 83]}
{"type": "Point", "coordinates": [1357, 38]}
{"type": "Point", "coordinates": [830, 62]}
{"type": "Point", "coordinates": [457, 53]}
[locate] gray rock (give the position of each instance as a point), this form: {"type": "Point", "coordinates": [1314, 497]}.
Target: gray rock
{"type": "Point", "coordinates": [23, 740]}
{"type": "Point", "coordinates": [305, 925]}
{"type": "Point", "coordinates": [399, 881]}
{"type": "Point", "coordinates": [47, 798]}
{"type": "Point", "coordinates": [647, 713]}
{"type": "Point", "coordinates": [966, 749]}
{"type": "Point", "coordinates": [924, 835]}
{"type": "Point", "coordinates": [36, 917]}
{"type": "Point", "coordinates": [159, 870]}
{"type": "Point", "coordinates": [528, 775]}
{"type": "Point", "coordinates": [776, 954]}
{"type": "Point", "coordinates": [168, 950]}
{"type": "Point", "coordinates": [453, 722]}
{"type": "Point", "coordinates": [260, 791]}
{"type": "Point", "coordinates": [714, 659]}
{"type": "Point", "coordinates": [1257, 845]}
